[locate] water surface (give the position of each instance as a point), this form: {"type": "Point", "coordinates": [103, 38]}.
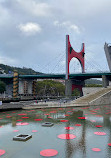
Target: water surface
{"type": "Point", "coordinates": [83, 121]}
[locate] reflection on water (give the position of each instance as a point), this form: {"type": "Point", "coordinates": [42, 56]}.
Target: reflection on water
{"type": "Point", "coordinates": [80, 122]}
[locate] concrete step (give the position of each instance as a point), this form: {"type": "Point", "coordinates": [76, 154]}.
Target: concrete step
{"type": "Point", "coordinates": [90, 97]}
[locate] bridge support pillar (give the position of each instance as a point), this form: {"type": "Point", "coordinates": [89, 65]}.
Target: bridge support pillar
{"type": "Point", "coordinates": [71, 85]}
{"type": "Point", "coordinates": [78, 84]}
{"type": "Point", "coordinates": [105, 81]}
{"type": "Point", "coordinates": [68, 88]}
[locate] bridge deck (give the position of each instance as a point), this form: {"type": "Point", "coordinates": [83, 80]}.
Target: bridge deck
{"type": "Point", "coordinates": [79, 76]}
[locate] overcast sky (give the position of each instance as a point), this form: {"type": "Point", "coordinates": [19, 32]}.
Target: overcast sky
{"type": "Point", "coordinates": [33, 33]}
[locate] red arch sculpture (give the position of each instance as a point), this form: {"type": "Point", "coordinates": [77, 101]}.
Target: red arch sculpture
{"type": "Point", "coordinates": [71, 53]}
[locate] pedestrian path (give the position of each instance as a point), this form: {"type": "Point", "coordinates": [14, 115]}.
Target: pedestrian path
{"type": "Point", "coordinates": [86, 100]}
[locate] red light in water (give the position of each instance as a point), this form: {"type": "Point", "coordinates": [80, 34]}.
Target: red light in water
{"type": "Point", "coordinates": [49, 152]}
{"type": "Point", "coordinates": [18, 120]}
{"type": "Point", "coordinates": [38, 119]}
{"type": "Point", "coordinates": [66, 115]}
{"type": "Point", "coordinates": [8, 116]}
{"type": "Point", "coordinates": [63, 120]}
{"type": "Point", "coordinates": [2, 152]}
{"type": "Point", "coordinates": [99, 126]}
{"type": "Point", "coordinates": [96, 149]}
{"type": "Point", "coordinates": [15, 130]}
{"type": "Point", "coordinates": [100, 133]}
{"type": "Point", "coordinates": [21, 124]}
{"type": "Point", "coordinates": [109, 144]}
{"type": "Point", "coordinates": [82, 118]}
{"type": "Point", "coordinates": [69, 128]}
{"type": "Point", "coordinates": [77, 124]}
{"type": "Point", "coordinates": [22, 114]}
{"type": "Point", "coordinates": [34, 130]}
{"type": "Point", "coordinates": [25, 117]}
{"type": "Point", "coordinates": [66, 136]}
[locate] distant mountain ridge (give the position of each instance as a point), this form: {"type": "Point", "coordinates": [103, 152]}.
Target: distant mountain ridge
{"type": "Point", "coordinates": [93, 81]}
{"type": "Point", "coordinates": [28, 71]}
{"type": "Point", "coordinates": [22, 71]}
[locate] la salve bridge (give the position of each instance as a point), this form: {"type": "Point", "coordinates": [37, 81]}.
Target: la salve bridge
{"type": "Point", "coordinates": [26, 84]}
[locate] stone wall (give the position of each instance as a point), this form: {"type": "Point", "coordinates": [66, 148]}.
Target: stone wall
{"type": "Point", "coordinates": [89, 90]}
{"type": "Point", "coordinates": [104, 99]}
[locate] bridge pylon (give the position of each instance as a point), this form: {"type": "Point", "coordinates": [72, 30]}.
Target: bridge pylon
{"type": "Point", "coordinates": [71, 53]}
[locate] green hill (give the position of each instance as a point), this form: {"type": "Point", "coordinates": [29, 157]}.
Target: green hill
{"type": "Point", "coordinates": [93, 83]}
{"type": "Point", "coordinates": [22, 71]}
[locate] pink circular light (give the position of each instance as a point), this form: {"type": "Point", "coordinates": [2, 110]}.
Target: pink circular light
{"type": "Point", "coordinates": [69, 128]}
{"type": "Point", "coordinates": [48, 152]}
{"type": "Point", "coordinates": [15, 130]}
{"type": "Point", "coordinates": [18, 120]}
{"type": "Point", "coordinates": [100, 133]}
{"type": "Point", "coordinates": [2, 152]}
{"type": "Point", "coordinates": [77, 124]}
{"type": "Point", "coordinates": [38, 119]}
{"type": "Point", "coordinates": [1, 118]}
{"type": "Point", "coordinates": [22, 124]}
{"type": "Point", "coordinates": [8, 116]}
{"type": "Point", "coordinates": [25, 117]}
{"type": "Point", "coordinates": [109, 144]}
{"type": "Point", "coordinates": [67, 115]}
{"type": "Point", "coordinates": [99, 126]}
{"type": "Point", "coordinates": [82, 118]}
{"type": "Point", "coordinates": [22, 114]}
{"type": "Point", "coordinates": [96, 149]}
{"type": "Point", "coordinates": [64, 120]}
{"type": "Point", "coordinates": [66, 136]}
{"type": "Point", "coordinates": [34, 130]}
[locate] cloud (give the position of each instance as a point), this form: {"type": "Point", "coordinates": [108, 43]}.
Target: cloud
{"type": "Point", "coordinates": [85, 22]}
{"type": "Point", "coordinates": [67, 25]}
{"type": "Point", "coordinates": [34, 7]}
{"type": "Point", "coordinates": [30, 28]}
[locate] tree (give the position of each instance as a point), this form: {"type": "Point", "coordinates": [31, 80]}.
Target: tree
{"type": "Point", "coordinates": [76, 92]}
{"type": "Point", "coordinates": [2, 87]}
{"type": "Point", "coordinates": [50, 88]}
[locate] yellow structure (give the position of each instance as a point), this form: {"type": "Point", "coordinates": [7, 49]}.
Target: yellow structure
{"type": "Point", "coordinates": [34, 87]}
{"type": "Point", "coordinates": [15, 84]}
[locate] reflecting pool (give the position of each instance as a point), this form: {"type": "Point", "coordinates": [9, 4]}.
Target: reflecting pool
{"type": "Point", "coordinates": [83, 132]}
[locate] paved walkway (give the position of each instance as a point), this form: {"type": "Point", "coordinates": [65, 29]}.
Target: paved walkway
{"type": "Point", "coordinates": [83, 101]}
{"type": "Point", "coordinates": [33, 105]}
{"type": "Point", "coordinates": [10, 106]}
